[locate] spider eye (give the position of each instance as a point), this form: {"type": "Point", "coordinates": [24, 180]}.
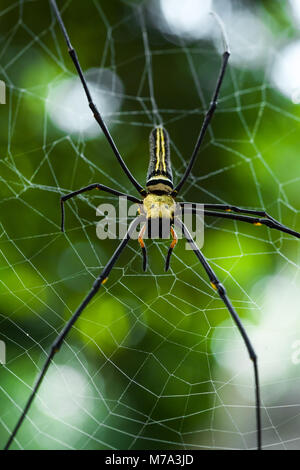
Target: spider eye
{"type": "Point", "coordinates": [166, 206]}
{"type": "Point", "coordinates": [152, 206]}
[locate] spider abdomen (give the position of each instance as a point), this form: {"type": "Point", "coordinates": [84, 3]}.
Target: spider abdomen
{"type": "Point", "coordinates": [159, 175]}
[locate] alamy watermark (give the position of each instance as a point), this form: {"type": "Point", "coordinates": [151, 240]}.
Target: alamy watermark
{"type": "Point", "coordinates": [2, 352]}
{"type": "Point", "coordinates": [2, 92]}
{"type": "Point", "coordinates": [115, 221]}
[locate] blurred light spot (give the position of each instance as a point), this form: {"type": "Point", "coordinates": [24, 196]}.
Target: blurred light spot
{"type": "Point", "coordinates": [249, 39]}
{"type": "Point", "coordinates": [295, 5]}
{"type": "Point", "coordinates": [273, 339]}
{"type": "Point", "coordinates": [187, 18]}
{"type": "Point", "coordinates": [68, 107]}
{"type": "Point", "coordinates": [63, 394]}
{"type": "Point", "coordinates": [286, 71]}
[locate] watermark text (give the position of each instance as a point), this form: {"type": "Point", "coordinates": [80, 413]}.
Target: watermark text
{"type": "Point", "coordinates": [2, 352]}
{"type": "Point", "coordinates": [2, 92]}
{"type": "Point", "coordinates": [115, 221]}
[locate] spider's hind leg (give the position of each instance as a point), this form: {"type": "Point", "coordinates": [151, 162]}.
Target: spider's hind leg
{"type": "Point", "coordinates": [220, 289]}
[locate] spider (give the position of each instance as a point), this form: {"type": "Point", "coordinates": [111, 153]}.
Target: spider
{"type": "Point", "coordinates": [158, 203]}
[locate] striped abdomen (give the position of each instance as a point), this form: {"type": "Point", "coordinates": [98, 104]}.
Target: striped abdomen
{"type": "Point", "coordinates": [159, 176]}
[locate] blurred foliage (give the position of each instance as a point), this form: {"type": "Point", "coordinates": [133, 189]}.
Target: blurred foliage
{"type": "Point", "coordinates": [143, 343]}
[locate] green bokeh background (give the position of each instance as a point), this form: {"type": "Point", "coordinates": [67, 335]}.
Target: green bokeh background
{"type": "Point", "coordinates": [143, 347]}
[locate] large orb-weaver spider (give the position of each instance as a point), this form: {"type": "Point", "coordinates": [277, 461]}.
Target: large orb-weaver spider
{"type": "Point", "coordinates": [159, 204]}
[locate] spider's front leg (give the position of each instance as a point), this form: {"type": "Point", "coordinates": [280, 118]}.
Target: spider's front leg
{"type": "Point", "coordinates": [92, 105]}
{"type": "Point", "coordinates": [98, 186]}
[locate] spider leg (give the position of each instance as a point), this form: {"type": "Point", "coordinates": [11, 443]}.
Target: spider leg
{"type": "Point", "coordinates": [209, 114]}
{"type": "Point", "coordinates": [101, 279]}
{"type": "Point", "coordinates": [230, 208]}
{"type": "Point", "coordinates": [100, 187]}
{"type": "Point", "coordinates": [143, 246]}
{"type": "Point", "coordinates": [92, 105]}
{"type": "Point", "coordinates": [215, 283]}
{"type": "Point", "coordinates": [269, 222]}
{"type": "Point", "coordinates": [172, 246]}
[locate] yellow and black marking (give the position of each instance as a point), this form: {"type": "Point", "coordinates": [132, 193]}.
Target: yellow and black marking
{"type": "Point", "coordinates": [157, 206]}
{"type": "Point", "coordinates": [159, 176]}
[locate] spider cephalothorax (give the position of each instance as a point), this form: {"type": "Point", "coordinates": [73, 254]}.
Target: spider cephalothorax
{"type": "Point", "coordinates": [159, 206]}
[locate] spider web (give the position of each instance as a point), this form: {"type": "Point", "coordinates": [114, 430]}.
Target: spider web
{"type": "Point", "coordinates": [154, 362]}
